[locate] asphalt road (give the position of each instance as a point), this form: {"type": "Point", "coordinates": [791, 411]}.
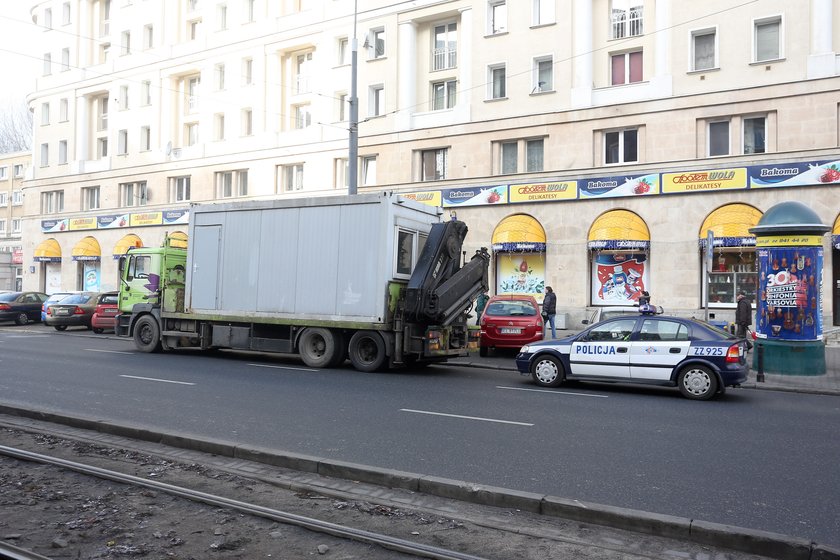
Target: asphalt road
{"type": "Point", "coordinates": [759, 459]}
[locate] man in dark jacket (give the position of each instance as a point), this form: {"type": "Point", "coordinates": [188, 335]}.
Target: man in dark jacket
{"type": "Point", "coordinates": [743, 317]}
{"type": "Point", "coordinates": [550, 309]}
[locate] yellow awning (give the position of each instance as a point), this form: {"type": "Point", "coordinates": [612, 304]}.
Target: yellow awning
{"type": "Point", "coordinates": [517, 233]}
{"type": "Point", "coordinates": [731, 220]}
{"type": "Point", "coordinates": [836, 229]}
{"type": "Point", "coordinates": [619, 225]}
{"type": "Point", "coordinates": [87, 250]}
{"type": "Point", "coordinates": [48, 251]}
{"type": "Point", "coordinates": [178, 239]}
{"type": "Point", "coordinates": [122, 246]}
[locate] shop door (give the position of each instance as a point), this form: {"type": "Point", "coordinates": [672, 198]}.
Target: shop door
{"type": "Point", "coordinates": [835, 292]}
{"type": "Point", "coordinates": [52, 277]}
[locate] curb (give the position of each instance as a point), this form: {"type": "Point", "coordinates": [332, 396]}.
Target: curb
{"type": "Point", "coordinates": [771, 545]}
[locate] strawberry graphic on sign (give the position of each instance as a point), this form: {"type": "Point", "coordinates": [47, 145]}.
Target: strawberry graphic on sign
{"type": "Point", "coordinates": [642, 187]}
{"type": "Point", "coordinates": [830, 175]}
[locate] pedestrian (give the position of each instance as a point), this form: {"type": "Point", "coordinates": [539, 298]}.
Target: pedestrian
{"type": "Point", "coordinates": [480, 304]}
{"type": "Point", "coordinates": [743, 317]}
{"type": "Point", "coordinates": [550, 309]}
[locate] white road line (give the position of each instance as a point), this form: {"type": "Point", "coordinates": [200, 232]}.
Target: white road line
{"type": "Point", "coordinates": [465, 417]}
{"type": "Point", "coordinates": [160, 380]}
{"type": "Point", "coordinates": [284, 367]}
{"type": "Point", "coordinates": [553, 392]}
{"type": "Point", "coordinates": [108, 351]}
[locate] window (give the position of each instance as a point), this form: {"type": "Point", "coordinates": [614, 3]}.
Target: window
{"type": "Point", "coordinates": [509, 157]}
{"type": "Point", "coordinates": [445, 48]}
{"type": "Point", "coordinates": [52, 202]}
{"type": "Point", "coordinates": [179, 189]}
{"type": "Point", "coordinates": [4, 199]}
{"type": "Point", "coordinates": [302, 67]}
{"type": "Point", "coordinates": [146, 92]}
{"type": "Point", "coordinates": [343, 51]}
{"type": "Point", "coordinates": [718, 138]}
{"type": "Point", "coordinates": [626, 68]}
{"type": "Point", "coordinates": [433, 165]}
{"type": "Point", "coordinates": [534, 155]}
{"type": "Point", "coordinates": [15, 225]}
{"type": "Point", "coordinates": [47, 66]}
{"type": "Point", "coordinates": [65, 59]}
{"type": "Point", "coordinates": [134, 194]}
{"type": "Point", "coordinates": [768, 43]}
{"type": "Point", "coordinates": [122, 142]}
{"type": "Point", "coordinates": [18, 169]}
{"type": "Point", "coordinates": [376, 104]}
{"type": "Point", "coordinates": [626, 19]}
{"type": "Point", "coordinates": [341, 176]}
{"type": "Point", "coordinates": [542, 12]}
{"type": "Point", "coordinates": [510, 150]}
{"type": "Point", "coordinates": [220, 76]}
{"type": "Point", "coordinates": [302, 116]}
{"type": "Point", "coordinates": [376, 43]}
{"type": "Point", "coordinates": [368, 170]}
{"type": "Point", "coordinates": [4, 173]}
{"type": "Point", "coordinates": [63, 107]}
{"type": "Point", "coordinates": [104, 51]}
{"type": "Point", "coordinates": [247, 71]}
{"type": "Point", "coordinates": [65, 13]}
{"type": "Point", "coordinates": [221, 16]}
{"type": "Point", "coordinates": [496, 16]}
{"type": "Point", "coordinates": [101, 103]}
{"type": "Point", "coordinates": [2, 226]}
{"type": "Point", "coordinates": [45, 114]}
{"type": "Point", "coordinates": [247, 122]}
{"type": "Point", "coordinates": [45, 155]}
{"type": "Point", "coordinates": [48, 18]}
{"type": "Point", "coordinates": [191, 90]}
{"type": "Point", "coordinates": [123, 97]}
{"type": "Point", "coordinates": [231, 183]}
{"type": "Point", "coordinates": [101, 148]}
{"type": "Point", "coordinates": [292, 177]}
{"type": "Point", "coordinates": [249, 11]}
{"type": "Point", "coordinates": [193, 29]}
{"type": "Point", "coordinates": [90, 198]}
{"type": "Point", "coordinates": [755, 134]}
{"type": "Point", "coordinates": [342, 106]}
{"type": "Point", "coordinates": [219, 126]}
{"type": "Point", "coordinates": [125, 43]}
{"type": "Point", "coordinates": [407, 249]}
{"type": "Point", "coordinates": [621, 146]}
{"type": "Point", "coordinates": [148, 36]}
{"type": "Point", "coordinates": [497, 82]}
{"type": "Point", "coordinates": [17, 198]}
{"type": "Point", "coordinates": [62, 152]}
{"type": "Point", "coordinates": [703, 49]}
{"type": "Point", "coordinates": [443, 95]}
{"type": "Point", "coordinates": [543, 74]}
{"type": "Point", "coordinates": [191, 133]}
{"type": "Point", "coordinates": [145, 138]}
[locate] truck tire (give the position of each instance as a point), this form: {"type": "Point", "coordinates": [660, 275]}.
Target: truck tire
{"type": "Point", "coordinates": [367, 351]}
{"type": "Point", "coordinates": [320, 348]}
{"type": "Point", "coordinates": [147, 334]}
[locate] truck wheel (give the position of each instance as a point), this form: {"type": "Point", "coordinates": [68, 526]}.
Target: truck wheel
{"type": "Point", "coordinates": [320, 348]}
{"type": "Point", "coordinates": [367, 351]}
{"type": "Point", "coordinates": [147, 334]}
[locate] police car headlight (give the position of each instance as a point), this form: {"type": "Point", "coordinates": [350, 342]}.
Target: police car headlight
{"type": "Point", "coordinates": [525, 350]}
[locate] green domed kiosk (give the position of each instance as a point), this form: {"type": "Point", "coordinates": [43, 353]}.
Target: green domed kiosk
{"type": "Point", "coordinates": [788, 321]}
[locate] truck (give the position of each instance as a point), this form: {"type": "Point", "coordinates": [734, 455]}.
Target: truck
{"type": "Point", "coordinates": [375, 277]}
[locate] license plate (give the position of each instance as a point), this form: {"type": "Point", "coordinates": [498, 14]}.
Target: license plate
{"type": "Point", "coordinates": [510, 331]}
{"type": "Point", "coordinates": [62, 312]}
{"type": "Point", "coordinates": [110, 312]}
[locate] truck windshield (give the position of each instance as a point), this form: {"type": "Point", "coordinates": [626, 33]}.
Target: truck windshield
{"type": "Point", "coordinates": [139, 267]}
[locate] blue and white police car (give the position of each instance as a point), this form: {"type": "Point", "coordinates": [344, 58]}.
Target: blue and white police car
{"type": "Point", "coordinates": [700, 359]}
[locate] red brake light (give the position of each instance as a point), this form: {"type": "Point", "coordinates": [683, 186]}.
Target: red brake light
{"type": "Point", "coordinates": [78, 311]}
{"type": "Point", "coordinates": [4, 307]}
{"type": "Point", "coordinates": [733, 355]}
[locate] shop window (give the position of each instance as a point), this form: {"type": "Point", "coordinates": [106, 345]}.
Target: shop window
{"type": "Point", "coordinates": [733, 271]}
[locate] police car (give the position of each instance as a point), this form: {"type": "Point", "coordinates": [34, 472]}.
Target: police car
{"type": "Point", "coordinates": [700, 359]}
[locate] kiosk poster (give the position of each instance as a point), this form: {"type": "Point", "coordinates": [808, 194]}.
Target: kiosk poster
{"type": "Point", "coordinates": [619, 278]}
{"type": "Point", "coordinates": [789, 293]}
{"type": "Point", "coordinates": [521, 274]}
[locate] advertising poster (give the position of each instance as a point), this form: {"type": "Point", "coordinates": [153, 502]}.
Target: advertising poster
{"type": "Point", "coordinates": [53, 226]}
{"type": "Point", "coordinates": [703, 181]}
{"type": "Point", "coordinates": [795, 174]}
{"type": "Point", "coordinates": [475, 196]}
{"type": "Point", "coordinates": [521, 273]}
{"type": "Point", "coordinates": [619, 278]}
{"type": "Point", "coordinates": [76, 224]}
{"type": "Point", "coordinates": [609, 187]}
{"type": "Point", "coordinates": [789, 293]}
{"type": "Point", "coordinates": [112, 221]}
{"type": "Point", "coordinates": [91, 276]}
{"type": "Point", "coordinates": [544, 192]}
{"type": "Point", "coordinates": [176, 216]}
{"type": "Point", "coordinates": [147, 219]}
{"type": "Point", "coordinates": [432, 198]}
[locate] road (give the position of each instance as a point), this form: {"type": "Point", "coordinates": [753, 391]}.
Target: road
{"type": "Point", "coordinates": [759, 459]}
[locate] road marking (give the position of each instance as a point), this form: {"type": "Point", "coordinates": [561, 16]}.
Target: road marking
{"type": "Point", "coordinates": [552, 392]}
{"type": "Point", "coordinates": [160, 380]}
{"type": "Point", "coordinates": [108, 351]}
{"type": "Point", "coordinates": [284, 367]}
{"type": "Point", "coordinates": [465, 417]}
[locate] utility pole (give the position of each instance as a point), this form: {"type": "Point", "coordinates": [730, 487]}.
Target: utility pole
{"type": "Point", "coordinates": [353, 155]}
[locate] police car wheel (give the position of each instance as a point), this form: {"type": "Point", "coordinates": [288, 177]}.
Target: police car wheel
{"type": "Point", "coordinates": [547, 371]}
{"type": "Point", "coordinates": [698, 383]}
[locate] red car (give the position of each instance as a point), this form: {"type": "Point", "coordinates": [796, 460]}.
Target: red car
{"type": "Point", "coordinates": [510, 321]}
{"type": "Point", "coordinates": [105, 314]}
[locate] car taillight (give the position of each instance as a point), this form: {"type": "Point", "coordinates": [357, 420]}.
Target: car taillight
{"type": "Point", "coordinates": [78, 311]}
{"type": "Point", "coordinates": [733, 355]}
{"type": "Point", "coordinates": [4, 307]}
{"type": "Point", "coordinates": [434, 338]}
{"type": "Point", "coordinates": [49, 310]}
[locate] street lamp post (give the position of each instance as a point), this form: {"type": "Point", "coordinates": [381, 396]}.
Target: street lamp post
{"type": "Point", "coordinates": [353, 155]}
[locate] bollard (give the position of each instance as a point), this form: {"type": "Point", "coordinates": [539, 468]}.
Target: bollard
{"type": "Point", "coordinates": [759, 376]}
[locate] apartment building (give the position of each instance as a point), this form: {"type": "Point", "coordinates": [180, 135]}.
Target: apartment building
{"type": "Point", "coordinates": [586, 141]}
{"type": "Point", "coordinates": [13, 168]}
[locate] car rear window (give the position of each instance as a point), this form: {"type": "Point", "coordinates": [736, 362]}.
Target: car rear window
{"type": "Point", "coordinates": [11, 296]}
{"type": "Point", "coordinates": [511, 308]}
{"type": "Point", "coordinates": [76, 298]}
{"type": "Point", "coordinates": [109, 299]}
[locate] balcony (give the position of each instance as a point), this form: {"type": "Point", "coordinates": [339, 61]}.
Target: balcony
{"type": "Point", "coordinates": [627, 23]}
{"type": "Point", "coordinates": [444, 58]}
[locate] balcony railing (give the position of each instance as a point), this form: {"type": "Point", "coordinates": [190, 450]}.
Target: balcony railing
{"type": "Point", "coordinates": [444, 58]}
{"type": "Point", "coordinates": [627, 23]}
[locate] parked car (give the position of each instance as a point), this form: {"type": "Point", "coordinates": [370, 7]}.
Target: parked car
{"type": "Point", "coordinates": [74, 310]}
{"type": "Point", "coordinates": [510, 321]}
{"type": "Point", "coordinates": [105, 313]}
{"type": "Point", "coordinates": [54, 298]}
{"type": "Point", "coordinates": [651, 349]}
{"type": "Point", "coordinates": [21, 307]}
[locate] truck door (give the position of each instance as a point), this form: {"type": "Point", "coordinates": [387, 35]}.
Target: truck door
{"type": "Point", "coordinates": [204, 282]}
{"type": "Point", "coordinates": [141, 281]}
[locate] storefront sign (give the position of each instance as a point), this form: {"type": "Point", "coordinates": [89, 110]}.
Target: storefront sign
{"type": "Point", "coordinates": [795, 174]}
{"type": "Point", "coordinates": [76, 224]}
{"type": "Point", "coordinates": [176, 216]}
{"type": "Point", "coordinates": [475, 196]}
{"type": "Point", "coordinates": [17, 256]}
{"type": "Point", "coordinates": [432, 198]}
{"type": "Point", "coordinates": [53, 226]}
{"type": "Point", "coordinates": [544, 192]}
{"type": "Point", "coordinates": [607, 187]}
{"type": "Point", "coordinates": [112, 221]}
{"type": "Point", "coordinates": [790, 241]}
{"type": "Point", "coordinates": [147, 219]}
{"type": "Point", "coordinates": [789, 285]}
{"type": "Point", "coordinates": [697, 181]}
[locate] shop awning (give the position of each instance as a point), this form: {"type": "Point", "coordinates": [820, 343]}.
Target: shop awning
{"type": "Point", "coordinates": [619, 229]}
{"type": "Point", "coordinates": [835, 233]}
{"type": "Point", "coordinates": [48, 251]}
{"type": "Point", "coordinates": [122, 246]}
{"type": "Point", "coordinates": [731, 225]}
{"type": "Point", "coordinates": [87, 250]}
{"type": "Point", "coordinates": [178, 239]}
{"type": "Point", "coordinates": [519, 233]}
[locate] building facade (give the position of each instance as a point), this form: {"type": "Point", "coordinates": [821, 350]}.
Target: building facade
{"type": "Point", "coordinates": [13, 170]}
{"type": "Point", "coordinates": [593, 144]}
